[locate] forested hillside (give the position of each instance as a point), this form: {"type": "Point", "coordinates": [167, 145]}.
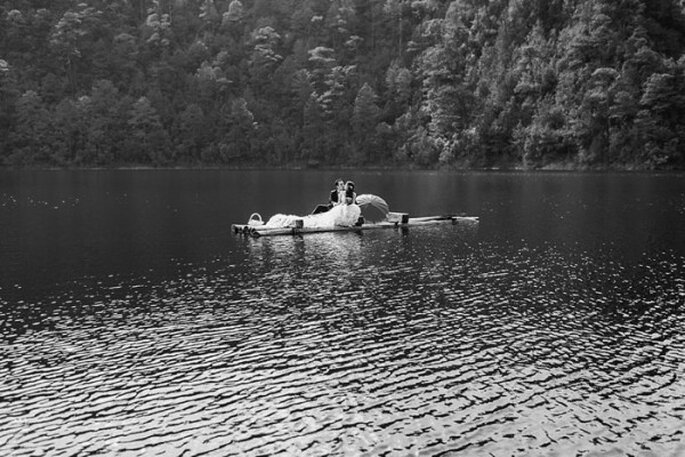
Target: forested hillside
{"type": "Point", "coordinates": [428, 83]}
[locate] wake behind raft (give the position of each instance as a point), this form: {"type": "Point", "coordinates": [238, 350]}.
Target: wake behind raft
{"type": "Point", "coordinates": [343, 218]}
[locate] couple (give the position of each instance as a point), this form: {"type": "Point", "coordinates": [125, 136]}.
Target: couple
{"type": "Point", "coordinates": [343, 194]}
{"type": "Point", "coordinates": [342, 207]}
{"type": "Point", "coordinates": [342, 210]}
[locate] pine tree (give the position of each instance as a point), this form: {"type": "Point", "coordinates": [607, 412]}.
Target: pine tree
{"type": "Point", "coordinates": [364, 122]}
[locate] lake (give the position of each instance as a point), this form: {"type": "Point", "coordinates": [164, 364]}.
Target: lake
{"type": "Point", "coordinates": [133, 322]}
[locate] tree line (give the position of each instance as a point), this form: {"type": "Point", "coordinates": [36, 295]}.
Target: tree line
{"type": "Point", "coordinates": [425, 83]}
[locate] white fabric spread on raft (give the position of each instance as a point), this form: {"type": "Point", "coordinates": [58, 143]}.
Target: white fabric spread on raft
{"type": "Point", "coordinates": [345, 215]}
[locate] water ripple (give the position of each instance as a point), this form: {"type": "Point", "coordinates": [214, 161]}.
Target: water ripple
{"type": "Point", "coordinates": [311, 348]}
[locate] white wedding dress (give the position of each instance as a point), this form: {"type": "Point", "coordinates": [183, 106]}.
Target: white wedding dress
{"type": "Point", "coordinates": [341, 215]}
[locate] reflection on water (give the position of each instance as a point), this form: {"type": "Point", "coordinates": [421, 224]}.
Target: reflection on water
{"type": "Point", "coordinates": [442, 340]}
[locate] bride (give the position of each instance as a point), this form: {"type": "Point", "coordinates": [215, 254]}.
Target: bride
{"type": "Point", "coordinates": [342, 215]}
{"type": "Point", "coordinates": [345, 213]}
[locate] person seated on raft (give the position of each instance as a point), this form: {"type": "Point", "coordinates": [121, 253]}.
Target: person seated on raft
{"type": "Point", "coordinates": [353, 215]}
{"type": "Point", "coordinates": [350, 195]}
{"type": "Point", "coordinates": [337, 196]}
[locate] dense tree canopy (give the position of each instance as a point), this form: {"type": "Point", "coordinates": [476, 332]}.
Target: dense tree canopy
{"type": "Point", "coordinates": [533, 83]}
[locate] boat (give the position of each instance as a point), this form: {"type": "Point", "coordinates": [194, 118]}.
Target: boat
{"type": "Point", "coordinates": [256, 226]}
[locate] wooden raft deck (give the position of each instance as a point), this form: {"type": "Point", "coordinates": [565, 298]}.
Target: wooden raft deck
{"type": "Point", "coordinates": [396, 220]}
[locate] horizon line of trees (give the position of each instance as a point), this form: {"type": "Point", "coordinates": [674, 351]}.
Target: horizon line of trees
{"type": "Point", "coordinates": [426, 83]}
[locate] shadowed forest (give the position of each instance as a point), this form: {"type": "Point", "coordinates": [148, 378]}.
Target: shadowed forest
{"type": "Point", "coordinates": [417, 83]}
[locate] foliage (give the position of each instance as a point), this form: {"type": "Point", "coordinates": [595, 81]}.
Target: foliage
{"type": "Point", "coordinates": [428, 83]}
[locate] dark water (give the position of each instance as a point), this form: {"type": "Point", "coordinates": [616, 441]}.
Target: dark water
{"type": "Point", "coordinates": [132, 322]}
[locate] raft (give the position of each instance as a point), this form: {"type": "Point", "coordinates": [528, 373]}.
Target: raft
{"type": "Point", "coordinates": [256, 228]}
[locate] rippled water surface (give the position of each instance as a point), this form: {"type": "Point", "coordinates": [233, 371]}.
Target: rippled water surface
{"type": "Point", "coordinates": [133, 322]}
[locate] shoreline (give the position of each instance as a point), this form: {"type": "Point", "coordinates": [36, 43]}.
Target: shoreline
{"type": "Point", "coordinates": [329, 168]}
